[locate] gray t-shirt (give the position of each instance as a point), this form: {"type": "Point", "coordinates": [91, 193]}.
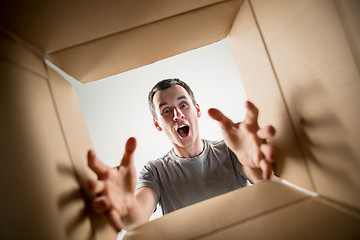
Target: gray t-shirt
{"type": "Point", "coordinates": [180, 182]}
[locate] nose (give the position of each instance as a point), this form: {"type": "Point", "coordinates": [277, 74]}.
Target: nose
{"type": "Point", "coordinates": [177, 114]}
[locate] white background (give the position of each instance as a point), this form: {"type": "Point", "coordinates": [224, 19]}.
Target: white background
{"type": "Point", "coordinates": [116, 108]}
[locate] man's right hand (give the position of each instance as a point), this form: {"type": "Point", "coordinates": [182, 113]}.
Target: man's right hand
{"type": "Point", "coordinates": [115, 187]}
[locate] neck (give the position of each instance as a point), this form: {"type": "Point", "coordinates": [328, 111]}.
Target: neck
{"type": "Point", "coordinates": [189, 152]}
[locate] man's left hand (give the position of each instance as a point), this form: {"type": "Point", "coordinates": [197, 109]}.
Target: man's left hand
{"type": "Point", "coordinates": [247, 140]}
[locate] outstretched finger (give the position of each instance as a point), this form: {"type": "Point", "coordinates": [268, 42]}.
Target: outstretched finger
{"type": "Point", "coordinates": [128, 158]}
{"type": "Point", "coordinates": [115, 219]}
{"type": "Point", "coordinates": [266, 169]}
{"type": "Point", "coordinates": [217, 115]}
{"type": "Point", "coordinates": [266, 132]}
{"type": "Point", "coordinates": [100, 204]}
{"type": "Point", "coordinates": [269, 152]}
{"type": "Point", "coordinates": [252, 113]}
{"type": "Point", "coordinates": [96, 165]}
{"type": "Point", "coordinates": [94, 187]}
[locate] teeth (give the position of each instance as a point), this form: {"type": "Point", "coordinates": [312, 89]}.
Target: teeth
{"type": "Point", "coordinates": [182, 126]}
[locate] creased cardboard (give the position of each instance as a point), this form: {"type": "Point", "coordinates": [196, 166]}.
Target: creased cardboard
{"type": "Point", "coordinates": [12, 53]}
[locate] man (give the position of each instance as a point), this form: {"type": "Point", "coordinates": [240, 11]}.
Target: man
{"type": "Point", "coordinates": [192, 171]}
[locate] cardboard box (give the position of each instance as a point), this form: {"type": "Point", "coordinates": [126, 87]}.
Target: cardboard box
{"type": "Point", "coordinates": [299, 62]}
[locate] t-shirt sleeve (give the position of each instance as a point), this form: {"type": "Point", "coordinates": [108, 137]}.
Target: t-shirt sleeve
{"type": "Point", "coordinates": [237, 165]}
{"type": "Point", "coordinates": [148, 178]}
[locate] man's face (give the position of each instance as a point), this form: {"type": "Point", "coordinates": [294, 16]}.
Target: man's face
{"type": "Point", "coordinates": [177, 116]}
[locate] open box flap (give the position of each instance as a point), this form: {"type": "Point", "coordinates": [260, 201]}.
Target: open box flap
{"type": "Point", "coordinates": [36, 174]}
{"type": "Point", "coordinates": [320, 82]}
{"type": "Point", "coordinates": [146, 44]}
{"type": "Point", "coordinates": [77, 142]}
{"type": "Point", "coordinates": [268, 210]}
{"type": "Point", "coordinates": [260, 83]}
{"type": "Point", "coordinates": [57, 25]}
{"type": "Point", "coordinates": [93, 40]}
{"type": "Point", "coordinates": [43, 147]}
{"type": "Point", "coordinates": [301, 72]}
{"type": "Point", "coordinates": [306, 219]}
{"type": "Point", "coordinates": [218, 213]}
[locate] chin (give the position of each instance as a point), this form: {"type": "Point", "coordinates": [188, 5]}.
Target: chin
{"type": "Point", "coordinates": [186, 142]}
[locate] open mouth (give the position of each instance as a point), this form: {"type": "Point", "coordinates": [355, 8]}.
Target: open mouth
{"type": "Point", "coordinates": [183, 131]}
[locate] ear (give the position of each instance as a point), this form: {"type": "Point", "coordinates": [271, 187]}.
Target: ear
{"type": "Point", "coordinates": [198, 110]}
{"type": "Point", "coordinates": [157, 125]}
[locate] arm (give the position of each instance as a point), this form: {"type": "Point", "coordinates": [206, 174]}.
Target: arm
{"type": "Point", "coordinates": [115, 191]}
{"type": "Point", "coordinates": [248, 142]}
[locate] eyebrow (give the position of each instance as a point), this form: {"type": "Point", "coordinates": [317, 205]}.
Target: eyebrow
{"type": "Point", "coordinates": [179, 98]}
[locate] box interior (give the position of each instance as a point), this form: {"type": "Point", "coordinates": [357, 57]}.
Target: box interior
{"type": "Point", "coordinates": [299, 62]}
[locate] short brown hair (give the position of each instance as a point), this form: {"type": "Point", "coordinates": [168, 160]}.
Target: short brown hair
{"type": "Point", "coordinates": [165, 84]}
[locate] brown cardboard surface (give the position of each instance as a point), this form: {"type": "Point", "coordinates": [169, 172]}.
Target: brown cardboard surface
{"type": "Point", "coordinates": [56, 25]}
{"type": "Point", "coordinates": [349, 14]}
{"type": "Point", "coordinates": [40, 194]}
{"type": "Point", "coordinates": [146, 44]}
{"type": "Point", "coordinates": [72, 122]}
{"type": "Point", "coordinates": [320, 82]}
{"type": "Point", "coordinates": [77, 142]}
{"type": "Point", "coordinates": [260, 82]}
{"type": "Point", "coordinates": [10, 52]}
{"type": "Point", "coordinates": [307, 219]}
{"type": "Point", "coordinates": [219, 213]}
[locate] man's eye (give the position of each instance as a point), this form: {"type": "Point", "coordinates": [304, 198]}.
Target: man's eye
{"type": "Point", "coordinates": [165, 110]}
{"type": "Point", "coordinates": [182, 105]}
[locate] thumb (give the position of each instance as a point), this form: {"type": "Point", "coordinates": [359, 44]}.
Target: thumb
{"type": "Point", "coordinates": [128, 158]}
{"type": "Point", "coordinates": [217, 115]}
